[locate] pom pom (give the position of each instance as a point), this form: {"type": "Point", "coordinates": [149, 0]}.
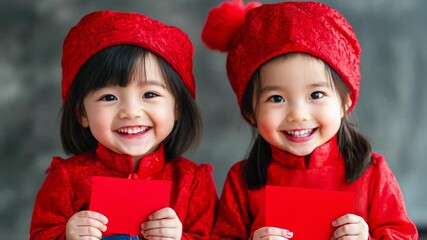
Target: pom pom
{"type": "Point", "coordinates": [223, 22]}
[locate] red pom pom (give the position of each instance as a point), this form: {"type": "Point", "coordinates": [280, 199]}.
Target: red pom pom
{"type": "Point", "coordinates": [223, 22]}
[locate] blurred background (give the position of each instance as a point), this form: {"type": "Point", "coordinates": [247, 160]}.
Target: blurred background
{"type": "Point", "coordinates": [391, 111]}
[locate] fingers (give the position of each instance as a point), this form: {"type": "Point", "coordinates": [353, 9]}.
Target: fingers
{"type": "Point", "coordinates": [351, 227]}
{"type": "Point", "coordinates": [162, 224]}
{"type": "Point", "coordinates": [163, 213]}
{"type": "Point", "coordinates": [271, 233]}
{"type": "Point", "coordinates": [86, 225]}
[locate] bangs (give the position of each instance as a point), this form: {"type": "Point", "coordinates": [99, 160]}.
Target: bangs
{"type": "Point", "coordinates": [113, 66]}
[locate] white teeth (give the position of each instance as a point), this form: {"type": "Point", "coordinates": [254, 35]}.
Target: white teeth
{"type": "Point", "coordinates": [134, 130]}
{"type": "Point", "coordinates": [300, 133]}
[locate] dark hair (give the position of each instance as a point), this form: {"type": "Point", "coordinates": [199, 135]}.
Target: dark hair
{"type": "Point", "coordinates": [114, 66]}
{"type": "Point", "coordinates": [354, 147]}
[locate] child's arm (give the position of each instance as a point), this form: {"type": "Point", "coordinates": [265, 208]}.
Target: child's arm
{"type": "Point", "coordinates": [202, 205]}
{"type": "Point", "coordinates": [233, 220]}
{"type": "Point", "coordinates": [387, 217]}
{"type": "Point", "coordinates": [52, 207]}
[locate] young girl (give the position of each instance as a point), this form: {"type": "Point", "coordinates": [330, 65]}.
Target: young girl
{"type": "Point", "coordinates": [129, 112]}
{"type": "Point", "coordinates": [294, 67]}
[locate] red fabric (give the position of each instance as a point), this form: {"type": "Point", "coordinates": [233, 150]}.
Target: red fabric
{"type": "Point", "coordinates": [378, 197]}
{"type": "Point", "coordinates": [223, 22]}
{"type": "Point", "coordinates": [67, 189]}
{"type": "Point", "coordinates": [102, 29]}
{"type": "Point", "coordinates": [271, 30]}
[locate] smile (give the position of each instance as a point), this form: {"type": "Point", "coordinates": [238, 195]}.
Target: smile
{"type": "Point", "coordinates": [132, 130]}
{"type": "Point", "coordinates": [300, 133]}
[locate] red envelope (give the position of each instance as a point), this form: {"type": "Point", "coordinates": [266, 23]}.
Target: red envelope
{"type": "Point", "coordinates": [308, 213]}
{"type": "Point", "coordinates": [127, 202]}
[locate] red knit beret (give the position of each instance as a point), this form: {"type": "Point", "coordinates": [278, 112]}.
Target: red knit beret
{"type": "Point", "coordinates": [253, 34]}
{"type": "Point", "coordinates": [102, 29]}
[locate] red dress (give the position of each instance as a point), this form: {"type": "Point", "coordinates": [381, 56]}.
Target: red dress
{"type": "Point", "coordinates": [67, 188]}
{"type": "Point", "coordinates": [378, 197]}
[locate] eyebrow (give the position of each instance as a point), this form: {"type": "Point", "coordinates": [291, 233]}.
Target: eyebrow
{"type": "Point", "coordinates": [277, 88]}
{"type": "Point", "coordinates": [321, 84]}
{"type": "Point", "coordinates": [269, 88]}
{"type": "Point", "coordinates": [154, 82]}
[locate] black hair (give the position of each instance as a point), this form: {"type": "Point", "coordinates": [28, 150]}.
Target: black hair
{"type": "Point", "coordinates": [114, 66]}
{"type": "Point", "coordinates": [354, 147]}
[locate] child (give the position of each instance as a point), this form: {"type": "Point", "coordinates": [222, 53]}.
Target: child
{"type": "Point", "coordinates": [294, 67]}
{"type": "Point", "coordinates": [129, 112]}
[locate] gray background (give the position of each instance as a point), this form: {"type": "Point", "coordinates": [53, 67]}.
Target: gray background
{"type": "Point", "coordinates": [391, 112]}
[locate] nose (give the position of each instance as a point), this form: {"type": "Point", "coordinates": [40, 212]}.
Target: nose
{"type": "Point", "coordinates": [297, 112]}
{"type": "Point", "coordinates": [131, 109]}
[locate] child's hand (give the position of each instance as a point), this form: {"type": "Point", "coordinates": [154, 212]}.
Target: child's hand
{"type": "Point", "coordinates": [350, 226]}
{"type": "Point", "coordinates": [86, 225]}
{"type": "Point", "coordinates": [272, 233]}
{"type": "Point", "coordinates": [163, 224]}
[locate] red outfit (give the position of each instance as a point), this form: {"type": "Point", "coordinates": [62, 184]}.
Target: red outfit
{"type": "Point", "coordinates": [67, 189]}
{"type": "Point", "coordinates": [378, 197]}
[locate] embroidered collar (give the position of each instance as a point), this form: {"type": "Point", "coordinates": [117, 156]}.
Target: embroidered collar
{"type": "Point", "coordinates": [123, 163]}
{"type": "Point", "coordinates": [320, 157]}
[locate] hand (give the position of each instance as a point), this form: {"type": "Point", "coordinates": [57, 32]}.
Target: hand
{"type": "Point", "coordinates": [272, 233]}
{"type": "Point", "coordinates": [350, 227]}
{"type": "Point", "coordinates": [163, 224]}
{"type": "Point", "coordinates": [86, 225]}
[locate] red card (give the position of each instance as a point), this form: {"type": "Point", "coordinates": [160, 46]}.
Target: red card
{"type": "Point", "coordinates": [127, 202]}
{"type": "Point", "coordinates": [308, 213]}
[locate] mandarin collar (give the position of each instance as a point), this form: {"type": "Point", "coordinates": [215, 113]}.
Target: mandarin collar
{"type": "Point", "coordinates": [123, 163]}
{"type": "Point", "coordinates": [321, 156]}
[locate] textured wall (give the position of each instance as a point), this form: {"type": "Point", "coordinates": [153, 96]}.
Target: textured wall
{"type": "Point", "coordinates": [392, 110]}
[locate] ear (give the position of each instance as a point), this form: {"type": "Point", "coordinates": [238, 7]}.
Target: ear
{"type": "Point", "coordinates": [348, 103]}
{"type": "Point", "coordinates": [83, 119]}
{"type": "Point", "coordinates": [250, 118]}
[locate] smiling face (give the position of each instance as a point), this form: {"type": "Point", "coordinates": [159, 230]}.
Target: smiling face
{"type": "Point", "coordinates": [298, 108]}
{"type": "Point", "coordinates": [133, 119]}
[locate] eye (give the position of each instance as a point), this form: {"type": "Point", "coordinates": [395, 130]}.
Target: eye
{"type": "Point", "coordinates": [317, 95]}
{"type": "Point", "coordinates": [108, 98]}
{"type": "Point", "coordinates": [276, 99]}
{"type": "Point", "coordinates": [150, 95]}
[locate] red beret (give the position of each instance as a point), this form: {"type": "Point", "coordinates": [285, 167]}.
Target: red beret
{"type": "Point", "coordinates": [271, 30]}
{"type": "Point", "coordinates": [102, 29]}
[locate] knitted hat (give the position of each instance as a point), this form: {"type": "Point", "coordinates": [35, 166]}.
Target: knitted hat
{"type": "Point", "coordinates": [254, 34]}
{"type": "Point", "coordinates": [102, 29]}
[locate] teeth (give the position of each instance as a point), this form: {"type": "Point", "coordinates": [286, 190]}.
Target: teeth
{"type": "Point", "coordinates": [300, 133]}
{"type": "Point", "coordinates": [134, 130]}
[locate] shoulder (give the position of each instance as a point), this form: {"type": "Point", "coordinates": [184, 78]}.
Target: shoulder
{"type": "Point", "coordinates": [235, 173]}
{"type": "Point", "coordinates": [379, 171]}
{"type": "Point", "coordinates": [237, 168]}
{"type": "Point", "coordinates": [379, 163]}
{"type": "Point", "coordinates": [186, 165]}
{"type": "Point", "coordinates": [70, 163]}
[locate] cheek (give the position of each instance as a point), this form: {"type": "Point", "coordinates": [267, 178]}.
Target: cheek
{"type": "Point", "coordinates": [268, 121]}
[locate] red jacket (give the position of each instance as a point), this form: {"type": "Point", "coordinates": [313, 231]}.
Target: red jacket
{"type": "Point", "coordinates": [378, 197]}
{"type": "Point", "coordinates": [67, 188]}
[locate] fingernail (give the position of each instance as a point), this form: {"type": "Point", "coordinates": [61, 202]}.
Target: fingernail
{"type": "Point", "coordinates": [289, 233]}
{"type": "Point", "coordinates": [334, 223]}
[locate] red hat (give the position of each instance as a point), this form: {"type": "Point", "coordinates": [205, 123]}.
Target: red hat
{"type": "Point", "coordinates": [253, 34]}
{"type": "Point", "coordinates": [102, 29]}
